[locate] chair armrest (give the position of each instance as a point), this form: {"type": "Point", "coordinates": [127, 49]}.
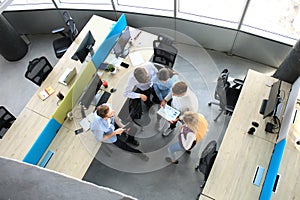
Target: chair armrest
{"type": "Point", "coordinates": [59, 30]}
{"type": "Point", "coordinates": [238, 81]}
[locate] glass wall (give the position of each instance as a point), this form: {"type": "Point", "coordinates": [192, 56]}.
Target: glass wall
{"type": "Point", "coordinates": [278, 20]}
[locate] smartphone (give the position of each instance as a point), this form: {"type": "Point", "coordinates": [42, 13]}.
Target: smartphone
{"type": "Point", "coordinates": [124, 65]}
{"type": "Point", "coordinates": [78, 131]}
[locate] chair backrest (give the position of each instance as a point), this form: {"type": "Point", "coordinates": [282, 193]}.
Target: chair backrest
{"type": "Point", "coordinates": [207, 158]}
{"type": "Point", "coordinates": [38, 70]}
{"type": "Point", "coordinates": [6, 120]}
{"type": "Point", "coordinates": [164, 52]}
{"type": "Point", "coordinates": [222, 86]}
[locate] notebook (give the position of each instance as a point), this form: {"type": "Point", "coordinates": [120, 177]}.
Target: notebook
{"type": "Point", "coordinates": [67, 76]}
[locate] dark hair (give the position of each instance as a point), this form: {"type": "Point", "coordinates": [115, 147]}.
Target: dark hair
{"type": "Point", "coordinates": [179, 88]}
{"type": "Point", "coordinates": [102, 110]}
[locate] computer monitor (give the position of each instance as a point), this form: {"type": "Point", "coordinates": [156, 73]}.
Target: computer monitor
{"type": "Point", "coordinates": [273, 100]}
{"type": "Point", "coordinates": [90, 91]}
{"type": "Point", "coordinates": [120, 47]}
{"type": "Point", "coordinates": [85, 47]}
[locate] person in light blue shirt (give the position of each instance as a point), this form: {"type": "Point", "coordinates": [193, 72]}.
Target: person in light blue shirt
{"type": "Point", "coordinates": [104, 130]}
{"type": "Point", "coordinates": [162, 83]}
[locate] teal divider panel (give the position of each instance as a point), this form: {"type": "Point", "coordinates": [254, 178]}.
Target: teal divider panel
{"type": "Point", "coordinates": [110, 40]}
{"type": "Point", "coordinates": [43, 141]}
{"type": "Point", "coordinates": [267, 188]}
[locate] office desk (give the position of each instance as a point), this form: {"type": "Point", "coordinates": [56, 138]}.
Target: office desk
{"type": "Point", "coordinates": [22, 134]}
{"type": "Point", "coordinates": [288, 186]}
{"type": "Point", "coordinates": [31, 121]}
{"type": "Point", "coordinates": [74, 153]}
{"type": "Point", "coordinates": [99, 28]}
{"type": "Point", "coordinates": [234, 168]}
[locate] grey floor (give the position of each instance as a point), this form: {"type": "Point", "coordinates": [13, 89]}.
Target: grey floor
{"type": "Point", "coordinates": [154, 179]}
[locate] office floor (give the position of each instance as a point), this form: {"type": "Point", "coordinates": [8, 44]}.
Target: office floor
{"type": "Point", "coordinates": [154, 179]}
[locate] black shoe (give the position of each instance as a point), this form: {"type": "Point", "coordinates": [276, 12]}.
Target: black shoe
{"type": "Point", "coordinates": [133, 142]}
{"type": "Point", "coordinates": [188, 151]}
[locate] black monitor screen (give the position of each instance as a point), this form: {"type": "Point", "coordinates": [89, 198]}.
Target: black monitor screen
{"type": "Point", "coordinates": [85, 47]}
{"type": "Point", "coordinates": [90, 91]}
{"type": "Point", "coordinates": [272, 100]}
{"type": "Point", "coordinates": [119, 48]}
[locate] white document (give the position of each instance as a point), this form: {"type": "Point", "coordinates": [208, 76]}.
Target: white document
{"type": "Point", "coordinates": [136, 58]}
{"type": "Point", "coordinates": [169, 113]}
{"type": "Point", "coordinates": [85, 122]}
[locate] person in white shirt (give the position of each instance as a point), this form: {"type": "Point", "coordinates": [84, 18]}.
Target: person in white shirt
{"type": "Point", "coordinates": [182, 99]}
{"type": "Point", "coordinates": [193, 130]}
{"type": "Point", "coordinates": [139, 85]}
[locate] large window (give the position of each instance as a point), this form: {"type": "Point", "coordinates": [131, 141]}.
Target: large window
{"type": "Point", "coordinates": [275, 19]}
{"type": "Point", "coordinates": [156, 7]}
{"type": "Point", "coordinates": [225, 13]}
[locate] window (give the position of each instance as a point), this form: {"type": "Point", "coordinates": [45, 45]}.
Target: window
{"type": "Point", "coordinates": [152, 7]}
{"type": "Point", "coordinates": [274, 19]}
{"type": "Point", "coordinates": [225, 13]}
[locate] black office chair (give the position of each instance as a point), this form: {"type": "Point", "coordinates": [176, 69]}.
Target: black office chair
{"type": "Point", "coordinates": [207, 160]}
{"type": "Point", "coordinates": [38, 70]}
{"type": "Point", "coordinates": [225, 94]}
{"type": "Point", "coordinates": [164, 51]}
{"type": "Point", "coordinates": [6, 120]}
{"type": "Point", "coordinates": [62, 44]}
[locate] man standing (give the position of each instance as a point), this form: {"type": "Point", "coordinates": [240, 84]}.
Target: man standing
{"type": "Point", "coordinates": [182, 99]}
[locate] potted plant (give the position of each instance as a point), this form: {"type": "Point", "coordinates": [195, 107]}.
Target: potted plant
{"type": "Point", "coordinates": [111, 68]}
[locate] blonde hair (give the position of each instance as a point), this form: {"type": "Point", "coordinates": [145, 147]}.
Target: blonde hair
{"type": "Point", "coordinates": [197, 123]}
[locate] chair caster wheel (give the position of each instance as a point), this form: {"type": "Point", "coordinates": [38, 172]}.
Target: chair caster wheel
{"type": "Point", "coordinates": [209, 104]}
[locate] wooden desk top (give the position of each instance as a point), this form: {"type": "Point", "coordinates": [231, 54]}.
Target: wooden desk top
{"type": "Point", "coordinates": [22, 134]}
{"type": "Point", "coordinates": [234, 168]}
{"type": "Point", "coordinates": [99, 28]}
{"type": "Point", "coordinates": [74, 154]}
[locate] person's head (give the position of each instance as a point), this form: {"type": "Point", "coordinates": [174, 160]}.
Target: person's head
{"type": "Point", "coordinates": [164, 74]}
{"type": "Point", "coordinates": [196, 122]}
{"type": "Point", "coordinates": [179, 88]}
{"type": "Point", "coordinates": [104, 111]}
{"type": "Point", "coordinates": [141, 75]}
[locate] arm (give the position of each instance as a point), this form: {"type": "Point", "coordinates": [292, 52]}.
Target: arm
{"type": "Point", "coordinates": [188, 141]}
{"type": "Point", "coordinates": [128, 92]}
{"type": "Point", "coordinates": [157, 91]}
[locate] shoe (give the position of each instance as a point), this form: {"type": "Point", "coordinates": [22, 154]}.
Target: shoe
{"type": "Point", "coordinates": [169, 160]}
{"type": "Point", "coordinates": [133, 142]}
{"type": "Point", "coordinates": [188, 151]}
{"type": "Point", "coordinates": [143, 157]}
{"type": "Point", "coordinates": [167, 132]}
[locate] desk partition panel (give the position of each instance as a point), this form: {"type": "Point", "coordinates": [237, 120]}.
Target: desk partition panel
{"type": "Point", "coordinates": [109, 41]}
{"type": "Point", "coordinates": [71, 98]}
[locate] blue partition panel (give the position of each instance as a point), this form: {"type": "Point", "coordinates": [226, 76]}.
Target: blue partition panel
{"type": "Point", "coordinates": [43, 141]}
{"type": "Point", "coordinates": [267, 188]}
{"type": "Point", "coordinates": [106, 46]}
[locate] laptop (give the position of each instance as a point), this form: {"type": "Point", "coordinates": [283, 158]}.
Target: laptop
{"type": "Point", "coordinates": [67, 76]}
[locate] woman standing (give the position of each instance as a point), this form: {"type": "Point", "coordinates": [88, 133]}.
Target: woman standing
{"type": "Point", "coordinates": [193, 130]}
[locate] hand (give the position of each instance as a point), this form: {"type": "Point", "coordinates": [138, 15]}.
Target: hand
{"type": "Point", "coordinates": [163, 103]}
{"type": "Point", "coordinates": [119, 131]}
{"type": "Point", "coordinates": [143, 97]}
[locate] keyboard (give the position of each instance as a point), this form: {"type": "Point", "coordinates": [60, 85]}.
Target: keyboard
{"type": "Point", "coordinates": [104, 98]}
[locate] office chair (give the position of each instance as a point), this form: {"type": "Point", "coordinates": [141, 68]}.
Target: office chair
{"type": "Point", "coordinates": [164, 51]}
{"type": "Point", "coordinates": [38, 70]}
{"type": "Point", "coordinates": [62, 44]}
{"type": "Point", "coordinates": [207, 160]}
{"type": "Point", "coordinates": [225, 94]}
{"type": "Point", "coordinates": [6, 120]}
